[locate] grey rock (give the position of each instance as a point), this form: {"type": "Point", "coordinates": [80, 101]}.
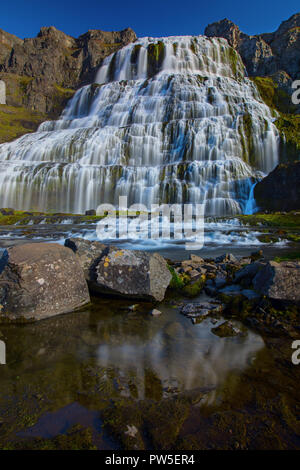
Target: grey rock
{"type": "Point", "coordinates": [124, 273]}
{"type": "Point", "coordinates": [227, 257]}
{"type": "Point", "coordinates": [88, 254]}
{"type": "Point", "coordinates": [201, 310]}
{"type": "Point", "coordinates": [220, 281]}
{"type": "Point", "coordinates": [279, 281]}
{"type": "Point", "coordinates": [248, 272]}
{"type": "Point", "coordinates": [40, 280]}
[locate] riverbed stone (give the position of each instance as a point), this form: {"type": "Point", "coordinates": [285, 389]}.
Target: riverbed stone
{"type": "Point", "coordinates": [88, 253]}
{"type": "Point", "coordinates": [279, 281]}
{"type": "Point", "coordinates": [40, 280]}
{"type": "Point", "coordinates": [134, 274]}
{"type": "Point", "coordinates": [123, 273]}
{"type": "Point", "coordinates": [201, 310]}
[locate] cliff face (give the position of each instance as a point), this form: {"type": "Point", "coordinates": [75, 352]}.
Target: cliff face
{"type": "Point", "coordinates": [42, 73]}
{"type": "Point", "coordinates": [271, 54]}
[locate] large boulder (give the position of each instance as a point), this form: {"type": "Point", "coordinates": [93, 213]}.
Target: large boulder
{"type": "Point", "coordinates": [279, 281]}
{"type": "Point", "coordinates": [40, 280]}
{"type": "Point", "coordinates": [280, 190]}
{"type": "Point", "coordinates": [122, 273]}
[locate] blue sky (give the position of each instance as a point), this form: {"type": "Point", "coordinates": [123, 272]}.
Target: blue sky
{"type": "Point", "coordinates": [147, 18]}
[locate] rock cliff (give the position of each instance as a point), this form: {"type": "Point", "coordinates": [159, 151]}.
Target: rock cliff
{"type": "Point", "coordinates": [42, 73]}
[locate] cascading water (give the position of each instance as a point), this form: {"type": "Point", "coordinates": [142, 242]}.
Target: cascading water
{"type": "Point", "coordinates": [168, 120]}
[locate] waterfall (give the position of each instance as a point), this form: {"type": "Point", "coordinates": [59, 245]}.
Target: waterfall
{"type": "Point", "coordinates": [168, 120]}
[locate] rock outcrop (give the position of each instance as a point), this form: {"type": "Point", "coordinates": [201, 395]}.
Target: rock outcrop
{"type": "Point", "coordinates": [42, 73]}
{"type": "Point", "coordinates": [264, 54]}
{"type": "Point", "coordinates": [122, 273]}
{"type": "Point", "coordinates": [271, 54]}
{"type": "Point", "coordinates": [40, 280]}
{"type": "Point", "coordinates": [280, 190]}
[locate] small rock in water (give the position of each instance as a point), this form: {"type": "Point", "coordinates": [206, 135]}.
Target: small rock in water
{"type": "Point", "coordinates": [227, 329]}
{"type": "Point", "coordinates": [155, 312]}
{"type": "Point", "coordinates": [201, 310]}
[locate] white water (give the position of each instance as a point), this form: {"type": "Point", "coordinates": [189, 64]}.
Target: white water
{"type": "Point", "coordinates": [165, 123]}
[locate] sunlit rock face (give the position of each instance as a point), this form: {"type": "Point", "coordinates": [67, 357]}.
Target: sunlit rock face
{"type": "Point", "coordinates": [169, 120]}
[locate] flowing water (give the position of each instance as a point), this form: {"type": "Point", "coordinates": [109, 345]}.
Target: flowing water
{"type": "Point", "coordinates": [168, 120]}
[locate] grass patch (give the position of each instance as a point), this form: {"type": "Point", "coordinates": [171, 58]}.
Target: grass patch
{"type": "Point", "coordinates": [17, 121]}
{"type": "Point", "coordinates": [288, 257]}
{"type": "Point", "coordinates": [277, 219]}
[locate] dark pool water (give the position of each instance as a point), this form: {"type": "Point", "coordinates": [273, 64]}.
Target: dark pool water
{"type": "Point", "coordinates": [92, 367]}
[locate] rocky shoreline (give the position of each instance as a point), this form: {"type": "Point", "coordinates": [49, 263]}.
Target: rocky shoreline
{"type": "Point", "coordinates": [41, 280]}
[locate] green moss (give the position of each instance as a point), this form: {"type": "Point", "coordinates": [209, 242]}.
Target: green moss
{"type": "Point", "coordinates": [195, 287]}
{"type": "Point", "coordinates": [233, 59]}
{"type": "Point", "coordinates": [289, 127]}
{"type": "Point", "coordinates": [156, 54]}
{"type": "Point", "coordinates": [17, 121]}
{"type": "Point", "coordinates": [164, 421]}
{"type": "Point", "coordinates": [288, 257]}
{"type": "Point", "coordinates": [176, 282]}
{"type": "Point", "coordinates": [277, 219]}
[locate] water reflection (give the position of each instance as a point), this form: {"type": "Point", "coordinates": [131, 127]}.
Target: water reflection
{"type": "Point", "coordinates": [137, 354]}
{"type": "Point", "coordinates": [180, 355]}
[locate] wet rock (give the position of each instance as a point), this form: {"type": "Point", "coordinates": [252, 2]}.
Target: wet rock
{"type": "Point", "coordinates": [250, 294]}
{"type": "Point", "coordinates": [200, 311]}
{"type": "Point", "coordinates": [232, 290]}
{"type": "Point", "coordinates": [128, 273]}
{"type": "Point", "coordinates": [279, 281]}
{"type": "Point", "coordinates": [226, 329]}
{"type": "Point", "coordinates": [40, 280]}
{"type": "Point", "coordinates": [220, 281]}
{"type": "Point", "coordinates": [246, 274]}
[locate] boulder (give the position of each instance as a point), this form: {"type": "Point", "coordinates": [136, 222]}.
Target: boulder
{"type": "Point", "coordinates": [246, 274]}
{"type": "Point", "coordinates": [122, 273]}
{"type": "Point", "coordinates": [280, 190]}
{"type": "Point", "coordinates": [279, 281]}
{"type": "Point", "coordinates": [135, 274]}
{"type": "Point", "coordinates": [40, 280]}
{"type": "Point", "coordinates": [88, 253]}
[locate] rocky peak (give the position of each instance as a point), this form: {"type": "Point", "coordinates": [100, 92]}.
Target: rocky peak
{"type": "Point", "coordinates": [225, 29]}
{"type": "Point", "coordinates": [264, 54]}
{"type": "Point", "coordinates": [41, 72]}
